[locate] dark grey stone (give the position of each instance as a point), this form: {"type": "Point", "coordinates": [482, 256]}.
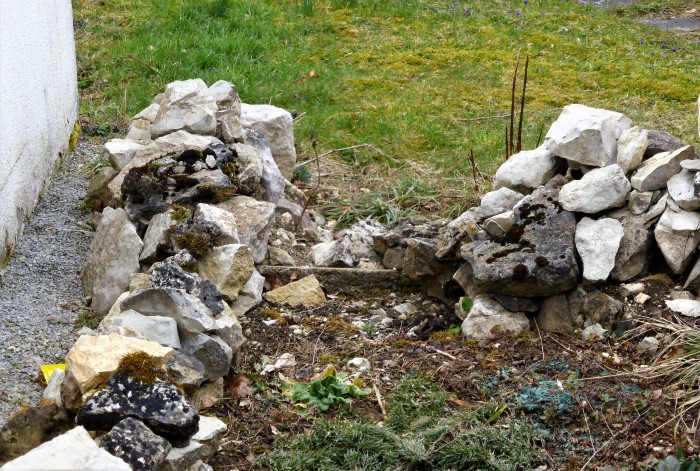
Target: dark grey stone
{"type": "Point", "coordinates": [162, 407]}
{"type": "Point", "coordinates": [632, 257]}
{"type": "Point", "coordinates": [661, 141]}
{"type": "Point", "coordinates": [535, 258]}
{"type": "Point", "coordinates": [594, 307]}
{"type": "Point", "coordinates": [185, 371]}
{"type": "Point", "coordinates": [212, 351]}
{"type": "Point", "coordinates": [515, 303]}
{"type": "Point", "coordinates": [136, 444]}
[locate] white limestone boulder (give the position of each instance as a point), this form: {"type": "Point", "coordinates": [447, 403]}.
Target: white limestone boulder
{"type": "Point", "coordinates": [187, 105]}
{"type": "Point", "coordinates": [114, 255]}
{"type": "Point", "coordinates": [306, 292]}
{"type": "Point", "coordinates": [228, 267]}
{"type": "Point", "coordinates": [155, 238]}
{"type": "Point", "coordinates": [681, 188]}
{"type": "Point", "coordinates": [276, 125]}
{"type": "Point", "coordinates": [498, 201]}
{"type": "Point", "coordinates": [487, 318]}
{"type": "Point", "coordinates": [597, 243]}
{"type": "Point", "coordinates": [250, 296]}
{"type": "Point", "coordinates": [598, 190]}
{"type": "Point", "coordinates": [631, 147]}
{"type": "Point", "coordinates": [677, 233]}
{"type": "Point", "coordinates": [271, 180]}
{"type": "Point", "coordinates": [526, 170]}
{"type": "Point", "coordinates": [190, 313]}
{"type": "Point", "coordinates": [254, 221]}
{"type": "Point", "coordinates": [160, 329]}
{"type": "Point", "coordinates": [225, 220]}
{"type": "Point", "coordinates": [655, 172]}
{"type": "Point", "coordinates": [121, 151]}
{"type": "Point", "coordinates": [587, 135]}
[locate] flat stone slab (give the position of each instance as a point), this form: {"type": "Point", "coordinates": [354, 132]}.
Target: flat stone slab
{"type": "Point", "coordinates": [674, 24]}
{"type": "Point", "coordinates": [351, 281]}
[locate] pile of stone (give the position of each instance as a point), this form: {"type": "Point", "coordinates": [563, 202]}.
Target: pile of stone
{"type": "Point", "coordinates": [189, 205]}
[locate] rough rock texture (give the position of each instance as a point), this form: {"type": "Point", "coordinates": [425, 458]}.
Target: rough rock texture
{"type": "Point", "coordinates": [250, 167]}
{"type": "Point", "coordinates": [526, 170]}
{"type": "Point", "coordinates": [162, 330]}
{"type": "Point", "coordinates": [222, 218]}
{"type": "Point", "coordinates": [586, 135]}
{"type": "Point", "coordinates": [661, 141]}
{"type": "Point", "coordinates": [450, 236]}
{"type": "Point", "coordinates": [74, 450]}
{"type": "Point", "coordinates": [229, 329]}
{"type": "Point", "coordinates": [250, 296]}
{"type": "Point", "coordinates": [229, 268]}
{"type": "Point", "coordinates": [488, 318]}
{"type": "Point", "coordinates": [682, 190]}
{"type": "Point", "coordinates": [276, 125]}
{"type": "Point", "coordinates": [598, 190]}
{"type": "Point", "coordinates": [306, 292]}
{"type": "Point", "coordinates": [187, 105]}
{"type": "Point", "coordinates": [134, 443]}
{"type": "Point", "coordinates": [535, 258]}
{"type": "Point", "coordinates": [554, 314]}
{"type": "Point", "coordinates": [94, 358]}
{"type": "Point", "coordinates": [188, 311]}
{"type": "Point", "coordinates": [212, 352]}
{"type": "Point", "coordinates": [498, 201]}
{"type": "Point", "coordinates": [121, 151]}
{"type": "Point", "coordinates": [631, 147]}
{"type": "Point", "coordinates": [632, 257]}
{"type": "Point", "coordinates": [162, 407]}
{"type": "Point", "coordinates": [354, 245]}
{"type": "Point", "coordinates": [677, 233]}
{"type": "Point", "coordinates": [640, 201]}
{"type": "Point", "coordinates": [656, 171]}
{"type": "Point", "coordinates": [497, 226]}
{"type": "Point", "coordinates": [114, 256]}
{"type": "Point", "coordinates": [181, 458]}
{"type": "Point", "coordinates": [170, 275]}
{"type": "Point", "coordinates": [685, 307]}
{"type": "Point", "coordinates": [272, 180]}
{"type": "Point", "coordinates": [597, 243]}
{"type": "Point", "coordinates": [254, 221]}
{"type": "Point", "coordinates": [185, 371]}
{"type": "Point", "coordinates": [155, 240]}
{"type": "Point", "coordinates": [593, 307]}
{"type": "Point", "coordinates": [31, 427]}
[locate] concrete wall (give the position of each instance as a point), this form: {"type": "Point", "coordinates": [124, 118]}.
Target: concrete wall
{"type": "Point", "coordinates": [38, 104]}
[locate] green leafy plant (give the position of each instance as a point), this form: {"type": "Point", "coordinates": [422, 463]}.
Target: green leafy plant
{"type": "Point", "coordinates": [301, 174]}
{"type": "Point", "coordinates": [677, 463]}
{"type": "Point", "coordinates": [466, 303]}
{"type": "Point", "coordinates": [332, 390]}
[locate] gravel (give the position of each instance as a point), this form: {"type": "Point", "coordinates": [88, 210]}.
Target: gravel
{"type": "Point", "coordinates": [40, 290]}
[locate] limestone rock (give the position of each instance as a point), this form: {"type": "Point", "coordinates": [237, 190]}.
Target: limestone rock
{"type": "Point", "coordinates": [185, 457]}
{"type": "Point", "coordinates": [306, 292]}
{"type": "Point", "coordinates": [139, 281]}
{"type": "Point", "coordinates": [211, 351]}
{"type": "Point", "coordinates": [648, 345]}
{"type": "Point", "coordinates": [161, 406]}
{"type": "Point", "coordinates": [593, 307]}
{"type": "Point", "coordinates": [498, 201]}
{"type": "Point", "coordinates": [250, 296]}
{"type": "Point", "coordinates": [185, 371]}
{"type": "Point", "coordinates": [134, 443]}
{"type": "Point", "coordinates": [279, 257]}
{"type": "Point", "coordinates": [211, 431]}
{"type": "Point", "coordinates": [677, 233]}
{"type": "Point", "coordinates": [354, 245]}
{"type": "Point", "coordinates": [155, 240]}
{"type": "Point", "coordinates": [74, 450]}
{"type": "Point", "coordinates": [420, 259]}
{"type": "Point", "coordinates": [631, 147]}
{"type": "Point", "coordinates": [693, 280]}
{"type": "Point", "coordinates": [527, 170]}
{"type": "Point", "coordinates": [98, 184]}
{"type": "Point", "coordinates": [222, 218]}
{"type": "Point", "coordinates": [497, 226]}
{"type": "Point", "coordinates": [554, 314]}
{"type": "Point", "coordinates": [594, 332]}
{"type": "Point", "coordinates": [250, 166]}
{"type": "Point", "coordinates": [685, 307]}
{"type": "Point", "coordinates": [191, 315]}
{"type": "Point", "coordinates": [488, 318]}
{"type": "Point", "coordinates": [254, 221]}
{"type": "Point", "coordinates": [187, 105]}
{"type": "Point", "coordinates": [597, 242]}
{"type": "Point", "coordinates": [92, 359]}
{"type": "Point", "coordinates": [631, 289]}
{"type": "Point", "coordinates": [121, 151]}
{"type": "Point", "coordinates": [640, 201]}
{"type": "Point", "coordinates": [655, 172]}
{"type": "Point", "coordinates": [535, 258]}
{"type": "Point", "coordinates": [272, 180]}
{"type": "Point", "coordinates": [228, 267]}
{"type": "Point", "coordinates": [162, 330]}
{"type": "Point", "coordinates": [52, 393]}
{"type": "Point", "coordinates": [586, 135]}
{"type": "Point", "coordinates": [516, 303]}
{"type": "Point", "coordinates": [661, 141]}
{"type": "Point", "coordinates": [113, 257]}
{"type": "Point", "coordinates": [465, 227]}
{"type": "Point", "coordinates": [682, 190]}
{"type": "Point", "coordinates": [598, 190]}
{"type": "Point", "coordinates": [229, 329]}
{"type": "Point", "coordinates": [169, 274]}
{"type": "Point", "coordinates": [394, 257]}
{"type": "Point", "coordinates": [276, 125]}
{"type": "Point", "coordinates": [656, 211]}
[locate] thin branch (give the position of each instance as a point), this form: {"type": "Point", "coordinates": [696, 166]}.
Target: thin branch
{"type": "Point", "coordinates": [129, 56]}
{"type": "Point", "coordinates": [522, 107]}
{"type": "Point", "coordinates": [359, 146]}
{"type": "Point", "coordinates": [379, 399]}
{"type": "Point", "coordinates": [512, 106]}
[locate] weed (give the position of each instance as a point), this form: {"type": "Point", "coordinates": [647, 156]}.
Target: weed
{"type": "Point", "coordinates": [92, 166]}
{"type": "Point", "coordinates": [417, 402]}
{"type": "Point", "coordinates": [332, 390]}
{"type": "Point", "coordinates": [370, 327]}
{"type": "Point", "coordinates": [88, 318]}
{"type": "Point", "coordinates": [301, 174]}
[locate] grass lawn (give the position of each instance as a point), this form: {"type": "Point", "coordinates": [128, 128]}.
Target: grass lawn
{"type": "Point", "coordinates": [425, 81]}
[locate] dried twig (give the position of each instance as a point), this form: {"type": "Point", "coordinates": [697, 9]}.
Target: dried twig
{"type": "Point", "coordinates": [475, 171]}
{"type": "Point", "coordinates": [129, 56]}
{"type": "Point", "coordinates": [359, 146]}
{"type": "Point", "coordinates": [379, 399]}
{"type": "Point", "coordinates": [522, 107]}
{"type": "Point", "coordinates": [512, 106]}
{"type": "Point", "coordinates": [451, 357]}
{"type": "Point", "coordinates": [313, 193]}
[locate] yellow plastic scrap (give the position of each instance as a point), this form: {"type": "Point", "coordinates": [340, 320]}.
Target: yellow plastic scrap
{"type": "Point", "coordinates": [49, 369]}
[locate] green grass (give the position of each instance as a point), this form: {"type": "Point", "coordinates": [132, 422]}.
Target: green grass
{"type": "Point", "coordinates": [411, 77]}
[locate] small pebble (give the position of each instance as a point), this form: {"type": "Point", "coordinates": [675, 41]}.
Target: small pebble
{"type": "Point", "coordinates": [641, 298]}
